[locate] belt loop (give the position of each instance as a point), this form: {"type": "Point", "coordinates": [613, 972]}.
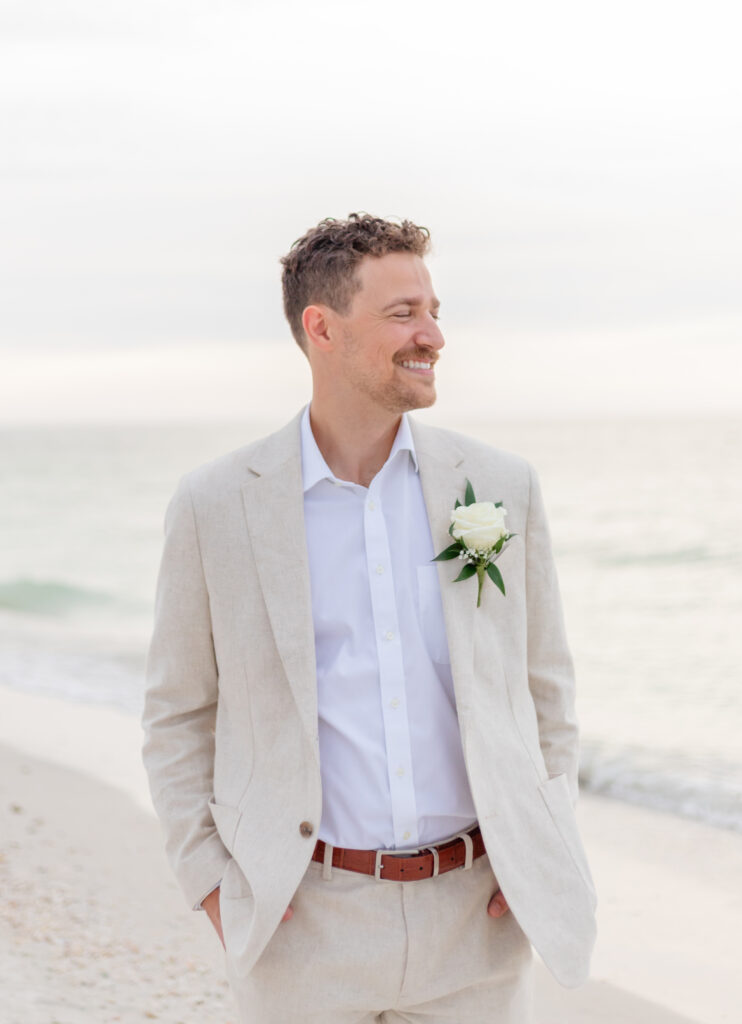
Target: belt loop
{"type": "Point", "coordinates": [469, 844]}
{"type": "Point", "coordinates": [327, 863]}
{"type": "Point", "coordinates": [378, 865]}
{"type": "Point", "coordinates": [436, 860]}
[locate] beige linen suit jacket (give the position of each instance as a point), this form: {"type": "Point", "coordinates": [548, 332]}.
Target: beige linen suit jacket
{"type": "Point", "coordinates": [231, 737]}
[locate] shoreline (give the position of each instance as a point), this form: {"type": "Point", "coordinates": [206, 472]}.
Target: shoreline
{"type": "Point", "coordinates": [108, 923]}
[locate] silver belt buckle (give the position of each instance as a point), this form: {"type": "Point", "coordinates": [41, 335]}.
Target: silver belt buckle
{"type": "Point", "coordinates": [390, 853]}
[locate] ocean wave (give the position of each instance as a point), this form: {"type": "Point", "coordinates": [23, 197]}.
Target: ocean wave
{"type": "Point", "coordinates": [50, 597]}
{"type": "Point", "coordinates": [711, 793]}
{"type": "Point", "coordinates": [679, 556]}
{"type": "Point", "coordinates": [116, 680]}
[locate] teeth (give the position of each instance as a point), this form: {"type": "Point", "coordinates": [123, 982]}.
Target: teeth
{"type": "Point", "coordinates": [416, 366]}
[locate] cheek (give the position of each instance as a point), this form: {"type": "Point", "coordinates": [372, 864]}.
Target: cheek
{"type": "Point", "coordinates": [398, 339]}
{"type": "Point", "coordinates": [388, 353]}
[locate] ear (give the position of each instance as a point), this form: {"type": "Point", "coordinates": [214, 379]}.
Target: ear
{"type": "Point", "coordinates": [316, 323]}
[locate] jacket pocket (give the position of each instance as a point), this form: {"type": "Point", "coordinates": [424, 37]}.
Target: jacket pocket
{"type": "Point", "coordinates": [226, 819]}
{"type": "Point", "coordinates": [555, 794]}
{"type": "Point", "coordinates": [234, 884]}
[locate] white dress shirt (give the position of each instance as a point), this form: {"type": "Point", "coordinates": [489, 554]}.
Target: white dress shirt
{"type": "Point", "coordinates": [392, 765]}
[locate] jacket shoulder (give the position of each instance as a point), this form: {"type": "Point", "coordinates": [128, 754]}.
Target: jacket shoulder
{"type": "Point", "coordinates": [471, 451]}
{"type": "Point", "coordinates": [224, 472]}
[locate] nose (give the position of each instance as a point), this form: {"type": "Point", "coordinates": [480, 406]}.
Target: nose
{"type": "Point", "coordinates": [431, 334]}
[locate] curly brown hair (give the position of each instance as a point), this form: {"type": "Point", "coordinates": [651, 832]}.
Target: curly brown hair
{"type": "Point", "coordinates": [320, 266]}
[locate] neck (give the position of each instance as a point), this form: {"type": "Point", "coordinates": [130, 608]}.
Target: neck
{"type": "Point", "coordinates": [355, 441]}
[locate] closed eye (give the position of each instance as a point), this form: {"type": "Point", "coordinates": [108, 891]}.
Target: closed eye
{"type": "Point", "coordinates": [408, 313]}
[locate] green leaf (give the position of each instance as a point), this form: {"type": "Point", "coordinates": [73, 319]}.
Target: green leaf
{"type": "Point", "coordinates": [498, 504]}
{"type": "Point", "coordinates": [458, 504]}
{"type": "Point", "coordinates": [503, 541]}
{"type": "Point", "coordinates": [452, 551]}
{"type": "Point", "coordinates": [496, 576]}
{"type": "Point", "coordinates": [466, 573]}
{"type": "Point", "coordinates": [469, 498]}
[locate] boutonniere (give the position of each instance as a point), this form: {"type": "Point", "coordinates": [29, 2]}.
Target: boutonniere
{"type": "Point", "coordinates": [479, 532]}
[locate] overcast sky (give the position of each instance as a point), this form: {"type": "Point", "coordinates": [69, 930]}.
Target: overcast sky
{"type": "Point", "coordinates": [578, 164]}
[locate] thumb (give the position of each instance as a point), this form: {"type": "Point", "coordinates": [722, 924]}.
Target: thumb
{"type": "Point", "coordinates": [498, 905]}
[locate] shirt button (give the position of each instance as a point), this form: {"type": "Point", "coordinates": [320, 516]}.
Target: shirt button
{"type": "Point", "coordinates": [389, 635]}
{"type": "Point", "coordinates": [406, 835]}
{"type": "Point", "coordinates": [400, 771]}
{"type": "Point", "coordinates": [394, 702]}
{"type": "Point", "coordinates": [371, 506]}
{"type": "Point", "coordinates": [306, 828]}
{"type": "Point", "coordinates": [379, 569]}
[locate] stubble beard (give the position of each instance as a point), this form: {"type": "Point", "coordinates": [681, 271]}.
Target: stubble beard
{"type": "Point", "coordinates": [393, 395]}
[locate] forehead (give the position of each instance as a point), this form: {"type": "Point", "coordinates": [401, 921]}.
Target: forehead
{"type": "Point", "coordinates": [396, 275]}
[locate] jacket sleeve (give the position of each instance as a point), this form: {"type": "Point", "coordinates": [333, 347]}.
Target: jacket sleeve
{"type": "Point", "coordinates": [180, 707]}
{"type": "Point", "coordinates": [550, 668]}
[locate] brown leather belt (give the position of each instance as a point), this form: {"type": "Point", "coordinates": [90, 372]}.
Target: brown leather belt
{"type": "Point", "coordinates": [394, 867]}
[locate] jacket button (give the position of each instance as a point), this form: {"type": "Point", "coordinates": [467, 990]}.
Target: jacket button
{"type": "Point", "coordinates": [306, 828]}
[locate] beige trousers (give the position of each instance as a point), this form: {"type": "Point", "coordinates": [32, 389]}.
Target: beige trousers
{"type": "Point", "coordinates": [361, 951]}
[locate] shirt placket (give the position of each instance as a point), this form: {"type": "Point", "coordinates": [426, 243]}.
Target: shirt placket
{"type": "Point", "coordinates": [391, 672]}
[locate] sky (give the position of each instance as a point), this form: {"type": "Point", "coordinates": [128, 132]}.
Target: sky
{"type": "Point", "coordinates": [578, 165]}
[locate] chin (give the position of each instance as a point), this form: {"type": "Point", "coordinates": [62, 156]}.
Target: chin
{"type": "Point", "coordinates": [410, 400]}
{"type": "Point", "coordinates": [425, 401]}
{"type": "Point", "coordinates": [423, 397]}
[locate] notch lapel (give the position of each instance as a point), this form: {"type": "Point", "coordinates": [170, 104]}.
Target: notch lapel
{"type": "Point", "coordinates": [274, 510]}
{"type": "Point", "coordinates": [443, 480]}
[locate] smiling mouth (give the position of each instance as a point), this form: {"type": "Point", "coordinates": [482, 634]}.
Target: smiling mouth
{"type": "Point", "coordinates": [417, 365]}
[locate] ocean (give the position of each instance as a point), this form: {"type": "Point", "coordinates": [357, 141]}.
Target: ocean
{"type": "Point", "coordinates": [644, 519]}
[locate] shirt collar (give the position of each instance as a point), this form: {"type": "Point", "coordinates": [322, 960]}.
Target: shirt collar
{"type": "Point", "coordinates": [313, 465]}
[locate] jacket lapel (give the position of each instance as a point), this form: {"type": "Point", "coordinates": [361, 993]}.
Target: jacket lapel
{"type": "Point", "coordinates": [274, 510]}
{"type": "Point", "coordinates": [443, 479]}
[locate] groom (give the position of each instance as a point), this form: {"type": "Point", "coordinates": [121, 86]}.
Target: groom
{"type": "Point", "coordinates": [365, 779]}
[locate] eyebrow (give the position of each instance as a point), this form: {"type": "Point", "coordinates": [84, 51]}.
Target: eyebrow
{"type": "Point", "coordinates": [416, 300]}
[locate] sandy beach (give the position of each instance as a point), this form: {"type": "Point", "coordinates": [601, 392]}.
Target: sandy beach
{"type": "Point", "coordinates": [94, 929]}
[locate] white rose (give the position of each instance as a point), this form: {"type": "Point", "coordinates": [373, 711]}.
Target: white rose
{"type": "Point", "coordinates": [479, 526]}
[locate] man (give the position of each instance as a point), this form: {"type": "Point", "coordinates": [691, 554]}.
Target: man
{"type": "Point", "coordinates": [320, 690]}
